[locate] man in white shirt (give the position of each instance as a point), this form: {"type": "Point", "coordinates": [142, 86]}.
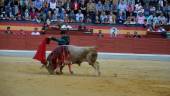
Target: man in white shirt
{"type": "Point", "coordinates": [66, 26]}
{"type": "Point", "coordinates": [35, 32]}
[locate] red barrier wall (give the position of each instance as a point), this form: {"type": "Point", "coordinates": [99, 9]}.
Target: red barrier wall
{"type": "Point", "coordinates": [117, 45]}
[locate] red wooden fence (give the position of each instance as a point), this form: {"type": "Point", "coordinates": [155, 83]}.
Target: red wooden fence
{"type": "Point", "coordinates": [116, 45]}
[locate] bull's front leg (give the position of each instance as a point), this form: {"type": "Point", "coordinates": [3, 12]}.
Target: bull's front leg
{"type": "Point", "coordinates": [96, 66]}
{"type": "Point", "coordinates": [69, 67]}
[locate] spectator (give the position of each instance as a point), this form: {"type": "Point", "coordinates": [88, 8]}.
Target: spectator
{"type": "Point", "coordinates": [99, 7]}
{"type": "Point", "coordinates": [122, 6]}
{"type": "Point", "coordinates": [121, 18]}
{"type": "Point", "coordinates": [140, 18]}
{"type": "Point", "coordinates": [66, 27]}
{"type": "Point", "coordinates": [67, 6]}
{"type": "Point", "coordinates": [138, 9]}
{"type": "Point", "coordinates": [71, 16]}
{"type": "Point", "coordinates": [76, 6]}
{"type": "Point", "coordinates": [38, 5]}
{"type": "Point", "coordinates": [35, 32]}
{"type": "Point", "coordinates": [112, 18]}
{"type": "Point", "coordinates": [162, 19]}
{"type": "Point", "coordinates": [79, 16]}
{"type": "Point", "coordinates": [8, 30]}
{"type": "Point", "coordinates": [128, 35]}
{"type": "Point", "coordinates": [22, 32]}
{"type": "Point", "coordinates": [100, 34]}
{"type": "Point", "coordinates": [91, 8]}
{"type": "Point", "coordinates": [103, 17]}
{"type": "Point", "coordinates": [136, 35]}
{"type": "Point", "coordinates": [106, 7]}
{"type": "Point", "coordinates": [113, 32]}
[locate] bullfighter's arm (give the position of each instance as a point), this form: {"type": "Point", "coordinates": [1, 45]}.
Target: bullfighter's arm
{"type": "Point", "coordinates": [54, 39]}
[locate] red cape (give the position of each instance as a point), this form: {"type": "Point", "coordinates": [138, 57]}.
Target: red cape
{"type": "Point", "coordinates": [41, 51]}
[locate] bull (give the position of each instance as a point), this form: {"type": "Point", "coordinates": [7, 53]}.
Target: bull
{"type": "Point", "coordinates": [77, 55]}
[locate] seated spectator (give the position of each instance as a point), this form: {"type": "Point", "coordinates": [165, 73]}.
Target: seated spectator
{"type": "Point", "coordinates": [100, 34]}
{"type": "Point", "coordinates": [162, 19]}
{"type": "Point", "coordinates": [79, 16]}
{"type": "Point", "coordinates": [22, 32]}
{"type": "Point", "coordinates": [136, 35]}
{"type": "Point", "coordinates": [103, 17]}
{"type": "Point", "coordinates": [35, 32]}
{"type": "Point", "coordinates": [130, 19]}
{"type": "Point", "coordinates": [140, 18]}
{"type": "Point", "coordinates": [8, 30]}
{"type": "Point", "coordinates": [112, 18]}
{"type": "Point", "coordinates": [121, 18]}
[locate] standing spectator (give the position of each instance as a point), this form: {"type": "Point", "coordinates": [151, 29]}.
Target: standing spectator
{"type": "Point", "coordinates": [113, 32]}
{"type": "Point", "coordinates": [22, 32]}
{"type": "Point", "coordinates": [138, 9]}
{"type": "Point", "coordinates": [67, 6]}
{"type": "Point", "coordinates": [99, 7]}
{"type": "Point", "coordinates": [38, 5]}
{"type": "Point", "coordinates": [122, 6]}
{"type": "Point", "coordinates": [146, 10]}
{"type": "Point", "coordinates": [91, 8]}
{"type": "Point", "coordinates": [35, 32]}
{"type": "Point", "coordinates": [152, 9]}
{"type": "Point", "coordinates": [8, 30]}
{"type": "Point", "coordinates": [136, 35]}
{"type": "Point", "coordinates": [100, 34]}
{"type": "Point", "coordinates": [75, 6]}
{"type": "Point", "coordinates": [83, 8]}
{"type": "Point", "coordinates": [106, 7]}
{"type": "Point", "coordinates": [52, 5]}
{"type": "Point", "coordinates": [130, 8]}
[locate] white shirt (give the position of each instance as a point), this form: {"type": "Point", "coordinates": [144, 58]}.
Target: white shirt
{"type": "Point", "coordinates": [35, 33]}
{"type": "Point", "coordinates": [66, 26]}
{"type": "Point", "coordinates": [78, 16]}
{"type": "Point", "coordinates": [52, 5]}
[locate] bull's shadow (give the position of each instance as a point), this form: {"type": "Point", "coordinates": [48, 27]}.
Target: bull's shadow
{"type": "Point", "coordinates": [64, 74]}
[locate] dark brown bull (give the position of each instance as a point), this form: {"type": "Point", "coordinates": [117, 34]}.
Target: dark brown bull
{"type": "Point", "coordinates": [77, 55]}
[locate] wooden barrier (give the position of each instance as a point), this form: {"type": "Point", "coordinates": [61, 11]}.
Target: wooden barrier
{"type": "Point", "coordinates": [116, 45]}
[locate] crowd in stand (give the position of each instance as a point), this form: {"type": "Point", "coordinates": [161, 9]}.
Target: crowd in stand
{"type": "Point", "coordinates": [145, 12]}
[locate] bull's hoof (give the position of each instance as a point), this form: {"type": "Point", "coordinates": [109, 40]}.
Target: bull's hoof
{"type": "Point", "coordinates": [71, 72]}
{"type": "Point", "coordinates": [58, 73]}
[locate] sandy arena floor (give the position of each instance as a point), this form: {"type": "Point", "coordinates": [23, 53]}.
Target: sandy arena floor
{"type": "Point", "coordinates": [21, 76]}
